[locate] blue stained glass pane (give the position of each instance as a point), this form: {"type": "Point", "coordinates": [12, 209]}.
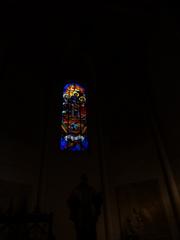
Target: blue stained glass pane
{"type": "Point", "coordinates": [74, 119]}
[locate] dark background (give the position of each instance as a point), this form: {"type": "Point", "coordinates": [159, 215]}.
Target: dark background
{"type": "Point", "coordinates": [126, 44]}
{"type": "Point", "coordinates": [128, 56]}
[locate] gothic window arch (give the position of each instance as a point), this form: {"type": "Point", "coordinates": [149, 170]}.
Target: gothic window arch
{"type": "Point", "coordinates": [74, 118]}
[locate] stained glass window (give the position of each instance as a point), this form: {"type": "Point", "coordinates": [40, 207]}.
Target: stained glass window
{"type": "Point", "coordinates": [74, 119]}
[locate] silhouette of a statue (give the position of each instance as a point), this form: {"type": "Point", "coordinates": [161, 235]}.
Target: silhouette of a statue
{"type": "Point", "coordinates": [85, 205]}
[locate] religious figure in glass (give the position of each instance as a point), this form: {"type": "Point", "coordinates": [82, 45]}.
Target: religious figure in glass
{"type": "Point", "coordinates": [74, 119]}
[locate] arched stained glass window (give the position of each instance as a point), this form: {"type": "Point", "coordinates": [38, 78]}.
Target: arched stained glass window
{"type": "Point", "coordinates": [74, 119]}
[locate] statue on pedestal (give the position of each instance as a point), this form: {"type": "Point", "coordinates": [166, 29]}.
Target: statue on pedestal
{"type": "Point", "coordinates": [85, 207]}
